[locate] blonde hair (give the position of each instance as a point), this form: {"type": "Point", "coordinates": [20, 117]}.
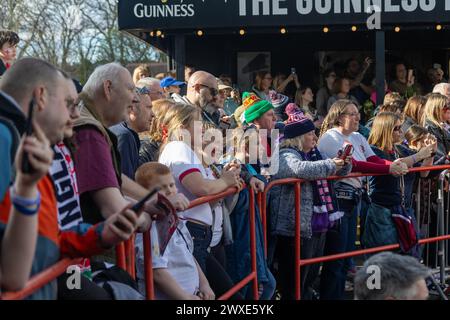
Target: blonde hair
{"type": "Point", "coordinates": [433, 108]}
{"type": "Point", "coordinates": [296, 142]}
{"type": "Point", "coordinates": [178, 116]}
{"type": "Point", "coordinates": [414, 108]}
{"type": "Point", "coordinates": [143, 68]}
{"type": "Point", "coordinates": [159, 108]}
{"type": "Point", "coordinates": [391, 97]}
{"type": "Point", "coordinates": [332, 118]}
{"type": "Point", "coordinates": [383, 126]}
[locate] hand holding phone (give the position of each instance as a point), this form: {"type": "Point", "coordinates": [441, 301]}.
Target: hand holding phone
{"type": "Point", "coordinates": [140, 204]}
{"type": "Point", "coordinates": [26, 167]}
{"type": "Point", "coordinates": [346, 152]}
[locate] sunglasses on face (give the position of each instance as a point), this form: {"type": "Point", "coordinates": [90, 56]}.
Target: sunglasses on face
{"type": "Point", "coordinates": [397, 128]}
{"type": "Point", "coordinates": [214, 92]}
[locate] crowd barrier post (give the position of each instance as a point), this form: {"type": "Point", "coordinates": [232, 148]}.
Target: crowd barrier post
{"type": "Point", "coordinates": [441, 223]}
{"type": "Point", "coordinates": [148, 266]}
{"type": "Point", "coordinates": [121, 256]}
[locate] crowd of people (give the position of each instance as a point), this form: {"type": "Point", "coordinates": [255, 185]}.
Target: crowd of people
{"type": "Point", "coordinates": [76, 158]}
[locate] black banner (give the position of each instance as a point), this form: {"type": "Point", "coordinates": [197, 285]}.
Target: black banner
{"type": "Point", "coordinates": [222, 14]}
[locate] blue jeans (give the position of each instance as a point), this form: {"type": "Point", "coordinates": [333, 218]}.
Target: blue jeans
{"type": "Point", "coordinates": [268, 287]}
{"type": "Point", "coordinates": [340, 239]}
{"type": "Point", "coordinates": [201, 235]}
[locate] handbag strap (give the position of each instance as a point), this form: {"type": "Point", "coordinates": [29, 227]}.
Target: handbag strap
{"type": "Point", "coordinates": [402, 178]}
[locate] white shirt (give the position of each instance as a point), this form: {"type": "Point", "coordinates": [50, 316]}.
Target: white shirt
{"type": "Point", "coordinates": [218, 216]}
{"type": "Point", "coordinates": [177, 260]}
{"type": "Point", "coordinates": [333, 141]}
{"type": "Point", "coordinates": [182, 161]}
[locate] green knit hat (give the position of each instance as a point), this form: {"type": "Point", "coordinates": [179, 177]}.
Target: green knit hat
{"type": "Point", "coordinates": [256, 110]}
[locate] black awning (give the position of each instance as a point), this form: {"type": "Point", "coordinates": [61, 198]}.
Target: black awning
{"type": "Point", "coordinates": [179, 15]}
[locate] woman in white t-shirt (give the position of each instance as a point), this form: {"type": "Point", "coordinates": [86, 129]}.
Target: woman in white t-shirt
{"type": "Point", "coordinates": [180, 152]}
{"type": "Point", "coordinates": [339, 129]}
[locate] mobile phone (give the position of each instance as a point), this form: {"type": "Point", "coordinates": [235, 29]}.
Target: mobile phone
{"type": "Point", "coordinates": [26, 165]}
{"type": "Point", "coordinates": [348, 149]}
{"type": "Point", "coordinates": [139, 205]}
{"type": "Point", "coordinates": [293, 71]}
{"type": "Point", "coordinates": [410, 73]}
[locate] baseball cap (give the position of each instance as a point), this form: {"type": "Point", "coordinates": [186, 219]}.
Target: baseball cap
{"type": "Point", "coordinates": [169, 81]}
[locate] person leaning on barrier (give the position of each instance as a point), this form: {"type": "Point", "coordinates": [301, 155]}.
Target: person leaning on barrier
{"type": "Point", "coordinates": [390, 276]}
{"type": "Point", "coordinates": [340, 128]}
{"type": "Point", "coordinates": [48, 87]}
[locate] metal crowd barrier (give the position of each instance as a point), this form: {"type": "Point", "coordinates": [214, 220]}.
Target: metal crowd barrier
{"type": "Point", "coordinates": [125, 259]}
{"type": "Point", "coordinates": [297, 189]}
{"type": "Point", "coordinates": [125, 250]}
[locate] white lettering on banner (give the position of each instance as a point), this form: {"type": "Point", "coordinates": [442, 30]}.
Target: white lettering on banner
{"type": "Point", "coordinates": [164, 11]}
{"type": "Point", "coordinates": [138, 10]}
{"type": "Point", "coordinates": [427, 5]}
{"type": "Point", "coordinates": [242, 7]}
{"type": "Point", "coordinates": [337, 6]}
{"type": "Point", "coordinates": [409, 5]}
{"type": "Point", "coordinates": [277, 10]}
{"type": "Point", "coordinates": [265, 4]}
{"type": "Point", "coordinates": [389, 7]}
{"type": "Point", "coordinates": [355, 4]}
{"type": "Point", "coordinates": [304, 6]}
{"type": "Point", "coordinates": [323, 8]}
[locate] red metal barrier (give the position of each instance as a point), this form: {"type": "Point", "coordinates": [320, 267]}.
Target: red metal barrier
{"type": "Point", "coordinates": [297, 190]}
{"type": "Point", "coordinates": [125, 250]}
{"type": "Point", "coordinates": [41, 279]}
{"type": "Point", "coordinates": [125, 259]}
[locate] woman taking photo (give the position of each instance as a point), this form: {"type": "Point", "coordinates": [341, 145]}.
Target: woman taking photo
{"type": "Point", "coordinates": [299, 158]}
{"type": "Point", "coordinates": [340, 128]}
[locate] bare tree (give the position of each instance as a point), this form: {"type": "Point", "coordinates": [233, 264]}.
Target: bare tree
{"type": "Point", "coordinates": [73, 34]}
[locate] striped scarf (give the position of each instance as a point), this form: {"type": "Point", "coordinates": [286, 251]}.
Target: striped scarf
{"type": "Point", "coordinates": [324, 212]}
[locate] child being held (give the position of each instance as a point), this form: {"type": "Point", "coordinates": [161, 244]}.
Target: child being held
{"type": "Point", "coordinates": [176, 274]}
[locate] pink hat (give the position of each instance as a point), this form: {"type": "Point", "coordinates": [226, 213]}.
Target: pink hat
{"type": "Point", "coordinates": [292, 108]}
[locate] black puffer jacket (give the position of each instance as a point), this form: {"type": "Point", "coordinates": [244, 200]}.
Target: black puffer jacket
{"type": "Point", "coordinates": [149, 151]}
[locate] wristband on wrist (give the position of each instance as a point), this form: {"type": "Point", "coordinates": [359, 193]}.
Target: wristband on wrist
{"type": "Point", "coordinates": [27, 211]}
{"type": "Point", "coordinates": [25, 202]}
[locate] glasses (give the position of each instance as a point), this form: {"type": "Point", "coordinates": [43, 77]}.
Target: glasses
{"type": "Point", "coordinates": [214, 92]}
{"type": "Point", "coordinates": [398, 128]}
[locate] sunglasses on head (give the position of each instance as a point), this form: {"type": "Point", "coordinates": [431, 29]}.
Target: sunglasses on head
{"type": "Point", "coordinates": [143, 90]}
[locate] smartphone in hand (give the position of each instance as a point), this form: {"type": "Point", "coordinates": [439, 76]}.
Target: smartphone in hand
{"type": "Point", "coordinates": [26, 165]}
{"type": "Point", "coordinates": [140, 204]}
{"type": "Point", "coordinates": [346, 152]}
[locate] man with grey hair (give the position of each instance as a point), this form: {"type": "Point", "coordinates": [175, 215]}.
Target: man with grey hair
{"type": "Point", "coordinates": [390, 276]}
{"type": "Point", "coordinates": [105, 98]}
{"type": "Point", "coordinates": [442, 88]}
{"type": "Point", "coordinates": [154, 85]}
